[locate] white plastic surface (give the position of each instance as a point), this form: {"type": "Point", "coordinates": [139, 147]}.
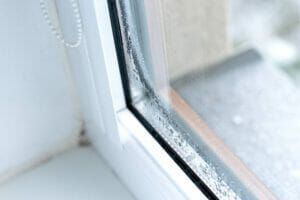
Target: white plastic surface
{"type": "Point", "coordinates": [79, 174]}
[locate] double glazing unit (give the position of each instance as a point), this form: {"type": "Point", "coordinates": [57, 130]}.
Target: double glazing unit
{"type": "Point", "coordinates": [196, 116]}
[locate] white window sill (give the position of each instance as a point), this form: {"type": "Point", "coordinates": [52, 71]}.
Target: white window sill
{"type": "Point", "coordinates": [75, 175]}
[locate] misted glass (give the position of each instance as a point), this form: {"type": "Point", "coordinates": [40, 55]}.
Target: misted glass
{"type": "Point", "coordinates": [219, 81]}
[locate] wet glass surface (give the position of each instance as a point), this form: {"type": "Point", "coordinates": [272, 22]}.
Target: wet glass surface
{"type": "Point", "coordinates": [246, 92]}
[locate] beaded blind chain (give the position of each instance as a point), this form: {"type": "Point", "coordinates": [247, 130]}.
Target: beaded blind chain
{"type": "Point", "coordinates": [56, 32]}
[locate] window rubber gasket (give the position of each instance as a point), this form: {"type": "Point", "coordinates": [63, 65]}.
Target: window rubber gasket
{"type": "Point", "coordinates": [125, 81]}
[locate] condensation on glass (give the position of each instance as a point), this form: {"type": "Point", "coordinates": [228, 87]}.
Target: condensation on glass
{"type": "Point", "coordinates": [149, 95]}
{"type": "Point", "coordinates": [241, 77]}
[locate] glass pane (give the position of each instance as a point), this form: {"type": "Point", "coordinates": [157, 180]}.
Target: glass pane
{"type": "Point", "coordinates": [219, 84]}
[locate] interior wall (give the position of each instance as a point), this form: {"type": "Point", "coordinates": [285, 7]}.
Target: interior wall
{"type": "Point", "coordinates": [39, 113]}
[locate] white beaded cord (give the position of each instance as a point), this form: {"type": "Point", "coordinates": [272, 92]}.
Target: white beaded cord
{"type": "Point", "coordinates": [56, 32]}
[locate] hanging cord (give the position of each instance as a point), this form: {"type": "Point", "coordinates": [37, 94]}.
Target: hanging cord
{"type": "Point", "coordinates": [56, 32]}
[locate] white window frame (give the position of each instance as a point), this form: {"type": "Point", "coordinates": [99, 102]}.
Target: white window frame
{"type": "Point", "coordinates": [134, 155]}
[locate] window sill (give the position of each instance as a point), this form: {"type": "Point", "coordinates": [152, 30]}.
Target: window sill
{"type": "Point", "coordinates": [75, 175]}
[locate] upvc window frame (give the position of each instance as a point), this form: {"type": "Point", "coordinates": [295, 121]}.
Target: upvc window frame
{"type": "Point", "coordinates": [115, 131]}
{"type": "Point", "coordinates": [134, 155]}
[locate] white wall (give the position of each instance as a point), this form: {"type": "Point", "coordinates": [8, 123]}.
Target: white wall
{"type": "Point", "coordinates": [39, 113]}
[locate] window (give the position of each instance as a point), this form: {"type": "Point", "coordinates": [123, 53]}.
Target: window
{"type": "Point", "coordinates": [205, 90]}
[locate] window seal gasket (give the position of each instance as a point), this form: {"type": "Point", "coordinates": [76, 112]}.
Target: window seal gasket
{"type": "Point", "coordinates": [125, 81]}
